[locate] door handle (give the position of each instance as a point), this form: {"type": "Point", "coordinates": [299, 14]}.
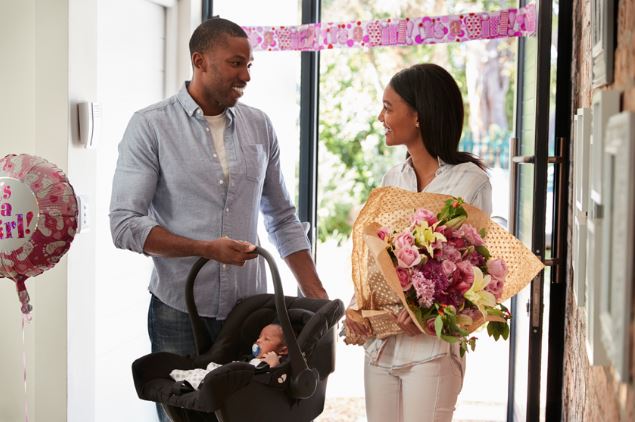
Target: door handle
{"type": "Point", "coordinates": [560, 198]}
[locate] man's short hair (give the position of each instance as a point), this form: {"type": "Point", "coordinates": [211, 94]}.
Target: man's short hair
{"type": "Point", "coordinates": [212, 32]}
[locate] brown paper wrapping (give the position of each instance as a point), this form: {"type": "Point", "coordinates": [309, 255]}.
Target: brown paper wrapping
{"type": "Point", "coordinates": [378, 293]}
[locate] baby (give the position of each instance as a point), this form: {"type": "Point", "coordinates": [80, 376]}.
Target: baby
{"type": "Point", "coordinates": [267, 349]}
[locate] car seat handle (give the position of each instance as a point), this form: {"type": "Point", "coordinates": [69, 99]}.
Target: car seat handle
{"type": "Point", "coordinates": [202, 340]}
{"type": "Point", "coordinates": [303, 380]}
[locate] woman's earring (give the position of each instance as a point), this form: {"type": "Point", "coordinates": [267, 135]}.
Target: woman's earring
{"type": "Point", "coordinates": [417, 124]}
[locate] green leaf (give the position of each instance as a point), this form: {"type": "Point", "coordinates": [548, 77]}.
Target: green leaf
{"type": "Point", "coordinates": [455, 222]}
{"type": "Point", "coordinates": [463, 349]}
{"type": "Point", "coordinates": [482, 250]}
{"type": "Point", "coordinates": [438, 325]}
{"type": "Point", "coordinates": [449, 339]}
{"type": "Point", "coordinates": [505, 333]}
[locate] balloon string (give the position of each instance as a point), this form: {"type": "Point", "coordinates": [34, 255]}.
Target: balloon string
{"type": "Point", "coordinates": [25, 320]}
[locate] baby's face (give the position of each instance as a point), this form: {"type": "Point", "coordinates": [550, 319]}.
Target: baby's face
{"type": "Point", "coordinates": [271, 339]}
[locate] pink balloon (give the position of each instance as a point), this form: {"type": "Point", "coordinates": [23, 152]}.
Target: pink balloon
{"type": "Point", "coordinates": [38, 219]}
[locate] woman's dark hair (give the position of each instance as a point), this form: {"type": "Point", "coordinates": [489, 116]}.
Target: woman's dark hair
{"type": "Point", "coordinates": [213, 31]}
{"type": "Point", "coordinates": [434, 94]}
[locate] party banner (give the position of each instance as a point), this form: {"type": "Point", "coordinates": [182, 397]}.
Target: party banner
{"type": "Point", "coordinates": [513, 22]}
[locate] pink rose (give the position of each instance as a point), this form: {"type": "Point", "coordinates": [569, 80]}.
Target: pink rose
{"type": "Point", "coordinates": [383, 233]}
{"type": "Point", "coordinates": [408, 257]}
{"type": "Point", "coordinates": [404, 240]}
{"type": "Point", "coordinates": [422, 215]}
{"type": "Point", "coordinates": [449, 252]}
{"type": "Point", "coordinates": [464, 277]}
{"type": "Point", "coordinates": [495, 287]}
{"type": "Point", "coordinates": [404, 278]}
{"type": "Point", "coordinates": [470, 234]}
{"type": "Point", "coordinates": [429, 327]}
{"type": "Point", "coordinates": [448, 267]}
{"type": "Point", "coordinates": [497, 269]}
{"type": "Point", "coordinates": [456, 242]}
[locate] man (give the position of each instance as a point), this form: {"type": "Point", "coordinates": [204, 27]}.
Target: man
{"type": "Point", "coordinates": [192, 173]}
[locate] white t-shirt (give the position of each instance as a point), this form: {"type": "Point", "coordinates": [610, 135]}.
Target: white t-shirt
{"type": "Point", "coordinates": [217, 126]}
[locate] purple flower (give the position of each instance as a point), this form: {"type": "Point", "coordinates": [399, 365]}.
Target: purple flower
{"type": "Point", "coordinates": [456, 242]}
{"type": "Point", "coordinates": [424, 288]}
{"type": "Point", "coordinates": [475, 259]}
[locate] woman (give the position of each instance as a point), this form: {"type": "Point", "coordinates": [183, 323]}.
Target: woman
{"type": "Point", "coordinates": [413, 376]}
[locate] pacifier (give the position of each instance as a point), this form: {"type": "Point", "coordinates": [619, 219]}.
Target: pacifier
{"type": "Point", "coordinates": [255, 350]}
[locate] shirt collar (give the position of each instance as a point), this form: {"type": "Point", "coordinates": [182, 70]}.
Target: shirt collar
{"type": "Point", "coordinates": [193, 109]}
{"type": "Point", "coordinates": [407, 166]}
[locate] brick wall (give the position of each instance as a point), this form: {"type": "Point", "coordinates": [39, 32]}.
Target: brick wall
{"type": "Point", "coordinates": [591, 393]}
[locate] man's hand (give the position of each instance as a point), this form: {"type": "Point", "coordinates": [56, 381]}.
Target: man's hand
{"type": "Point", "coordinates": [230, 251]}
{"type": "Point", "coordinates": [161, 242]}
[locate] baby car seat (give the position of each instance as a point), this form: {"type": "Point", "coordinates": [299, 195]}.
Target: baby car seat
{"type": "Point", "coordinates": [293, 391]}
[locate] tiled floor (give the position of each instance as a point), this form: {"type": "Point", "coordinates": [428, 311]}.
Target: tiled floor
{"type": "Point", "coordinates": [351, 409]}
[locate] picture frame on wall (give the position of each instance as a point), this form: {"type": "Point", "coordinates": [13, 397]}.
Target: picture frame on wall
{"type": "Point", "coordinates": [605, 104]}
{"type": "Point", "coordinates": [602, 41]}
{"type": "Point", "coordinates": [581, 146]}
{"type": "Point", "coordinates": [619, 241]}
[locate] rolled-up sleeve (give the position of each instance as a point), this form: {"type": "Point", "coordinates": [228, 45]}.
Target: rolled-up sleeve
{"type": "Point", "coordinates": [282, 224]}
{"type": "Point", "coordinates": [134, 185]}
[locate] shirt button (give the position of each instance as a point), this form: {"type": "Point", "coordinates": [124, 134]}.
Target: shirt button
{"type": "Point", "coordinates": [207, 129]}
{"type": "Point", "coordinates": [214, 155]}
{"type": "Point", "coordinates": [226, 209]}
{"type": "Point", "coordinates": [221, 182]}
{"type": "Point", "coordinates": [224, 266]}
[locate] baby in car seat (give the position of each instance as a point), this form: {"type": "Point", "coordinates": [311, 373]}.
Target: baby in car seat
{"type": "Point", "coordinates": [267, 350]}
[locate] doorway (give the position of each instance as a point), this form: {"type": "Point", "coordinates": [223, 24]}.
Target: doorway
{"type": "Point", "coordinates": [131, 75]}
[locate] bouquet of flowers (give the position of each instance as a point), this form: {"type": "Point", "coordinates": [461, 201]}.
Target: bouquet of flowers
{"type": "Point", "coordinates": [451, 283]}
{"type": "Point", "coordinates": [444, 261]}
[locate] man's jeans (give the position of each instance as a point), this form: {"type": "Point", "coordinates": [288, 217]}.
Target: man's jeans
{"type": "Point", "coordinates": [170, 330]}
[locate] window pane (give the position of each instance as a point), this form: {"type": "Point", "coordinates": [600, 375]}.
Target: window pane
{"type": "Point", "coordinates": [353, 157]}
{"type": "Point", "coordinates": [275, 89]}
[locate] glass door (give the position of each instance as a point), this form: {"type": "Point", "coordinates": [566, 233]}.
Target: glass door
{"type": "Point", "coordinates": [532, 219]}
{"type": "Point", "coordinates": [275, 89]}
{"type": "Point", "coordinates": [353, 156]}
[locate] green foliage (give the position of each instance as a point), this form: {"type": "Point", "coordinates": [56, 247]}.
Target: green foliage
{"type": "Point", "coordinates": [353, 155]}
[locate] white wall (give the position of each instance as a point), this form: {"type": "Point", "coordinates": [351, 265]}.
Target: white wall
{"type": "Point", "coordinates": [48, 63]}
{"type": "Point", "coordinates": [34, 120]}
{"type": "Point", "coordinates": [17, 134]}
{"type": "Point", "coordinates": [82, 76]}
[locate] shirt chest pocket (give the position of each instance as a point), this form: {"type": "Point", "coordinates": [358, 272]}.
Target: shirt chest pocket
{"type": "Point", "coordinates": [255, 159]}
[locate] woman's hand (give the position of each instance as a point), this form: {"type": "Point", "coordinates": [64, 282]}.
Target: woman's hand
{"type": "Point", "coordinates": [405, 323]}
{"type": "Point", "coordinates": [357, 329]}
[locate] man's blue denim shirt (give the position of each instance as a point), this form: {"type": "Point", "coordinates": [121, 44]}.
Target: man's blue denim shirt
{"type": "Point", "coordinates": [168, 174]}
